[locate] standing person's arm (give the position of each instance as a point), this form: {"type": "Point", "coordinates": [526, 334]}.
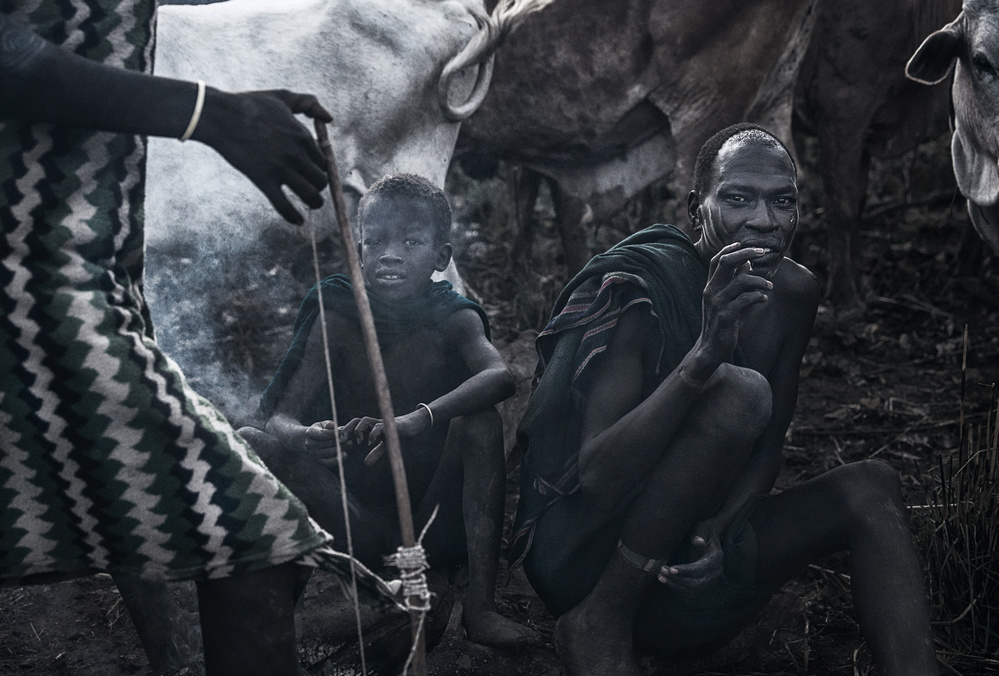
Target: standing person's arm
{"type": "Point", "coordinates": [256, 132]}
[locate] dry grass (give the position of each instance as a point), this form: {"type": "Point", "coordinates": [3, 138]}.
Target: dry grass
{"type": "Point", "coordinates": [958, 530]}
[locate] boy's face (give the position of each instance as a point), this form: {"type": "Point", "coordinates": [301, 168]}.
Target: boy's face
{"type": "Point", "coordinates": [398, 250]}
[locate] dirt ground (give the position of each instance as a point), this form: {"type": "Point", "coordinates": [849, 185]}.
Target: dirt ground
{"type": "Point", "coordinates": [883, 381]}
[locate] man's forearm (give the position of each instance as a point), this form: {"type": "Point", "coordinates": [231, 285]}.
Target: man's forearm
{"type": "Point", "coordinates": [758, 479]}
{"type": "Point", "coordinates": [42, 83]}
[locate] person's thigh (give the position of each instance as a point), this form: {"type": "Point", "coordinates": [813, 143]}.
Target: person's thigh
{"type": "Point", "coordinates": [572, 543]}
{"type": "Point", "coordinates": [819, 517]}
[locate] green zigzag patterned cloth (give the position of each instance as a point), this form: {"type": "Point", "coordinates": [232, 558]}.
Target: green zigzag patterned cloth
{"type": "Point", "coordinates": [108, 460]}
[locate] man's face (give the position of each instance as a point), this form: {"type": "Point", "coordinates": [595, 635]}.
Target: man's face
{"type": "Point", "coordinates": [398, 249]}
{"type": "Point", "coordinates": [752, 199]}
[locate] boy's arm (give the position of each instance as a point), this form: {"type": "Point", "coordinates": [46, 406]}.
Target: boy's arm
{"type": "Point", "coordinates": [308, 380]}
{"type": "Point", "coordinates": [256, 132]}
{"type": "Point", "coordinates": [491, 381]}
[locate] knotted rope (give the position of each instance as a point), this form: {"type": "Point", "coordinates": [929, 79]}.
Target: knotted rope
{"type": "Point", "coordinates": [413, 567]}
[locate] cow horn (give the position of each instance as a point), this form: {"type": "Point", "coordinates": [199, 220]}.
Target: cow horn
{"type": "Point", "coordinates": [480, 50]}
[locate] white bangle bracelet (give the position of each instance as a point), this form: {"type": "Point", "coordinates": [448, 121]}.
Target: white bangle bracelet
{"type": "Point", "coordinates": [196, 115]}
{"type": "Point", "coordinates": [430, 413]}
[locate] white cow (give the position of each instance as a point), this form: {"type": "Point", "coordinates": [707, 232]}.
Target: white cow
{"type": "Point", "coordinates": [972, 42]}
{"type": "Point", "coordinates": [224, 272]}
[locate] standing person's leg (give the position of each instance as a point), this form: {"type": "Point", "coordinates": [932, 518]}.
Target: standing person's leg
{"type": "Point", "coordinates": [688, 484]}
{"type": "Point", "coordinates": [248, 623]}
{"type": "Point", "coordinates": [473, 459]}
{"type": "Point", "coordinates": [169, 635]}
{"type": "Point", "coordinates": [857, 508]}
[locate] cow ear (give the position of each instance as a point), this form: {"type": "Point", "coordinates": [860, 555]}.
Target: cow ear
{"type": "Point", "coordinates": [934, 58]}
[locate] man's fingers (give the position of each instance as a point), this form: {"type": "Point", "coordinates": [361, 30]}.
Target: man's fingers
{"type": "Point", "coordinates": [306, 104]}
{"type": "Point", "coordinates": [716, 259]}
{"type": "Point", "coordinates": [733, 260]}
{"type": "Point", "coordinates": [280, 202]}
{"type": "Point", "coordinates": [315, 174]}
{"type": "Point", "coordinates": [306, 191]}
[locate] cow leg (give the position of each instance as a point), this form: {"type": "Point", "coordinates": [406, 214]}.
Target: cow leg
{"type": "Point", "coordinates": [969, 255]}
{"type": "Point", "coordinates": [574, 218]}
{"type": "Point", "coordinates": [986, 222]}
{"type": "Point", "coordinates": [844, 171]}
{"type": "Point", "coordinates": [524, 184]}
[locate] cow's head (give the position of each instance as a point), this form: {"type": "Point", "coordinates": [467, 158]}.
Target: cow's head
{"type": "Point", "coordinates": [971, 42]}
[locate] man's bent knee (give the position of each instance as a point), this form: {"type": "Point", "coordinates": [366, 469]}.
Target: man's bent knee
{"type": "Point", "coordinates": [742, 395]}
{"type": "Point", "coordinates": [871, 492]}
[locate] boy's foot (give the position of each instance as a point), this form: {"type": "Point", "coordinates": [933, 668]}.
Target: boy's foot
{"type": "Point", "coordinates": [490, 628]}
{"type": "Point", "coordinates": [587, 649]}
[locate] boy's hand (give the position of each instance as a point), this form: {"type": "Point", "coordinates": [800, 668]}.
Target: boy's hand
{"type": "Point", "coordinates": [368, 432]}
{"type": "Point", "coordinates": [320, 439]}
{"type": "Point", "coordinates": [361, 433]}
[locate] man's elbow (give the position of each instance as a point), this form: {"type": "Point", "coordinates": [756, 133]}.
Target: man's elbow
{"type": "Point", "coordinates": [504, 383]}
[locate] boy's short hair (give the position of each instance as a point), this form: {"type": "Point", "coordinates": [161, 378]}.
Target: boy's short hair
{"type": "Point", "coordinates": [708, 153]}
{"type": "Point", "coordinates": [414, 187]}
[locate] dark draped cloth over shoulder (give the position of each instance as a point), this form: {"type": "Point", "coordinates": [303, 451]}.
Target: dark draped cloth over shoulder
{"type": "Point", "coordinates": [392, 321]}
{"type": "Point", "coordinates": [657, 268]}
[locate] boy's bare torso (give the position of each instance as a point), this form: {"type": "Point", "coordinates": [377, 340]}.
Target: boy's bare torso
{"type": "Point", "coordinates": [421, 365]}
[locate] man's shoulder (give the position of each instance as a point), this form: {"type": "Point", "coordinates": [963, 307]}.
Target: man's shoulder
{"type": "Point", "coordinates": [798, 284]}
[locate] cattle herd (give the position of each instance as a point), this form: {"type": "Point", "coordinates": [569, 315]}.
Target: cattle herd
{"type": "Point", "coordinates": [598, 99]}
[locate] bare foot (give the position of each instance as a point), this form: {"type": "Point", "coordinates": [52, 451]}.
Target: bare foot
{"type": "Point", "coordinates": [592, 648]}
{"type": "Point", "coordinates": [490, 628]}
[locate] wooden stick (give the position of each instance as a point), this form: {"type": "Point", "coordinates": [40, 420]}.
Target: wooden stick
{"type": "Point", "coordinates": [381, 380]}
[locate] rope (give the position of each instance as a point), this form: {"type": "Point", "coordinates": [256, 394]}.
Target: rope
{"type": "Point", "coordinates": [413, 566]}
{"type": "Point", "coordinates": [339, 450]}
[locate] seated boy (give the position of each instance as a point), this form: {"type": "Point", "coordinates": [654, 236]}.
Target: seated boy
{"type": "Point", "coordinates": [445, 378]}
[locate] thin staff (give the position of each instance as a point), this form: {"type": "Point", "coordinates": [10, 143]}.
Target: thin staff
{"type": "Point", "coordinates": [391, 438]}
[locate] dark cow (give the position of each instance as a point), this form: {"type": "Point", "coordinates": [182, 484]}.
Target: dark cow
{"type": "Point", "coordinates": [972, 40]}
{"type": "Point", "coordinates": [605, 101]}
{"type": "Point", "coordinates": [853, 95]}
{"type": "Point", "coordinates": [603, 98]}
